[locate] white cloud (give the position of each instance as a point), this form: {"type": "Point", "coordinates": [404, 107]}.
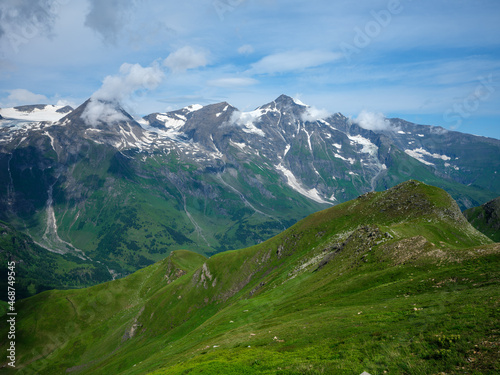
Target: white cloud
{"type": "Point", "coordinates": [293, 61]}
{"type": "Point", "coordinates": [373, 121]}
{"type": "Point", "coordinates": [132, 77]}
{"type": "Point", "coordinates": [65, 102]}
{"type": "Point", "coordinates": [22, 96]}
{"type": "Point", "coordinates": [314, 114]}
{"type": "Point", "coordinates": [185, 58]}
{"type": "Point", "coordinates": [246, 49]}
{"type": "Point", "coordinates": [232, 82]}
{"type": "Point", "coordinates": [247, 120]}
{"type": "Point", "coordinates": [98, 111]}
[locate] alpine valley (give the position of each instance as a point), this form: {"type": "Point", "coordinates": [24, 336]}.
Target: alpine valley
{"type": "Point", "coordinates": [108, 194]}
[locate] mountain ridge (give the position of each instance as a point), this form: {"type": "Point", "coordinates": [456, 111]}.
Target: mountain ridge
{"type": "Point", "coordinates": [486, 218]}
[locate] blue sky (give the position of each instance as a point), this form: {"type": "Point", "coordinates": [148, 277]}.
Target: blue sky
{"type": "Point", "coordinates": [430, 62]}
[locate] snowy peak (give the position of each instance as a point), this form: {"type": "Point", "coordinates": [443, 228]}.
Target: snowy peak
{"type": "Point", "coordinates": [284, 104]}
{"type": "Point", "coordinates": [105, 122]}
{"type": "Point", "coordinates": [98, 113]}
{"type": "Point", "coordinates": [287, 101]}
{"type": "Point", "coordinates": [195, 121]}
{"type": "Point", "coordinates": [211, 116]}
{"type": "Point", "coordinates": [209, 125]}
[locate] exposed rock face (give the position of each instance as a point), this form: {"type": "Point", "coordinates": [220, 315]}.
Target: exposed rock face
{"type": "Point", "coordinates": [132, 331]}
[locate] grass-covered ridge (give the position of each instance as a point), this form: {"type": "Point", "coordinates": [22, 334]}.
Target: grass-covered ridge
{"type": "Point", "coordinates": [395, 281]}
{"type": "Point", "coordinates": [486, 218]}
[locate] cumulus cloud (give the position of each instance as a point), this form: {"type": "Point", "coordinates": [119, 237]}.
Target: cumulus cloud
{"type": "Point", "coordinates": [232, 82]}
{"type": "Point", "coordinates": [98, 111]}
{"type": "Point", "coordinates": [22, 96]}
{"type": "Point", "coordinates": [185, 58]}
{"type": "Point", "coordinates": [65, 102]}
{"type": "Point", "coordinates": [373, 121]}
{"type": "Point", "coordinates": [108, 17]}
{"type": "Point", "coordinates": [244, 118]}
{"type": "Point", "coordinates": [312, 114]}
{"type": "Point", "coordinates": [246, 49]}
{"type": "Point", "coordinates": [131, 78]}
{"type": "Point", "coordinates": [293, 61]}
{"type": "Point", "coordinates": [247, 121]}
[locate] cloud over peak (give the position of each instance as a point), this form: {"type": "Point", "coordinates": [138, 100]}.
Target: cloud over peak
{"type": "Point", "coordinates": [131, 78]}
{"type": "Point", "coordinates": [98, 111]}
{"type": "Point", "coordinates": [116, 88]}
{"type": "Point", "coordinates": [312, 114]}
{"type": "Point", "coordinates": [373, 121]}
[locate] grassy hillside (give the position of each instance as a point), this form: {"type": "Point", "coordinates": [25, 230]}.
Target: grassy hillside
{"type": "Point", "coordinates": [486, 218]}
{"type": "Point", "coordinates": [395, 282]}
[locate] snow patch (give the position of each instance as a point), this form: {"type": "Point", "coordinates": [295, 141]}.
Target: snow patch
{"type": "Point", "coordinates": [48, 113]}
{"type": "Point", "coordinates": [298, 102]}
{"type": "Point", "coordinates": [309, 139]}
{"type": "Point", "coordinates": [368, 146]}
{"type": "Point", "coordinates": [287, 148]}
{"type": "Point", "coordinates": [420, 153]}
{"type": "Point", "coordinates": [350, 160]}
{"type": "Point", "coordinates": [295, 185]}
{"type": "Point", "coordinates": [193, 108]}
{"type": "Point", "coordinates": [170, 122]}
{"type": "Point", "coordinates": [416, 155]}
{"type": "Point", "coordinates": [239, 145]}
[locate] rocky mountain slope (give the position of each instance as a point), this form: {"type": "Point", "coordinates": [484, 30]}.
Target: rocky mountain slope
{"type": "Point", "coordinates": [395, 281]}
{"type": "Point", "coordinates": [38, 270]}
{"type": "Point", "coordinates": [486, 218]}
{"type": "Point", "coordinates": [126, 192]}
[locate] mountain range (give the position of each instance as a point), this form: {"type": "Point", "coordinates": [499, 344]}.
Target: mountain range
{"type": "Point", "coordinates": [122, 193]}
{"type": "Point", "coordinates": [391, 282]}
